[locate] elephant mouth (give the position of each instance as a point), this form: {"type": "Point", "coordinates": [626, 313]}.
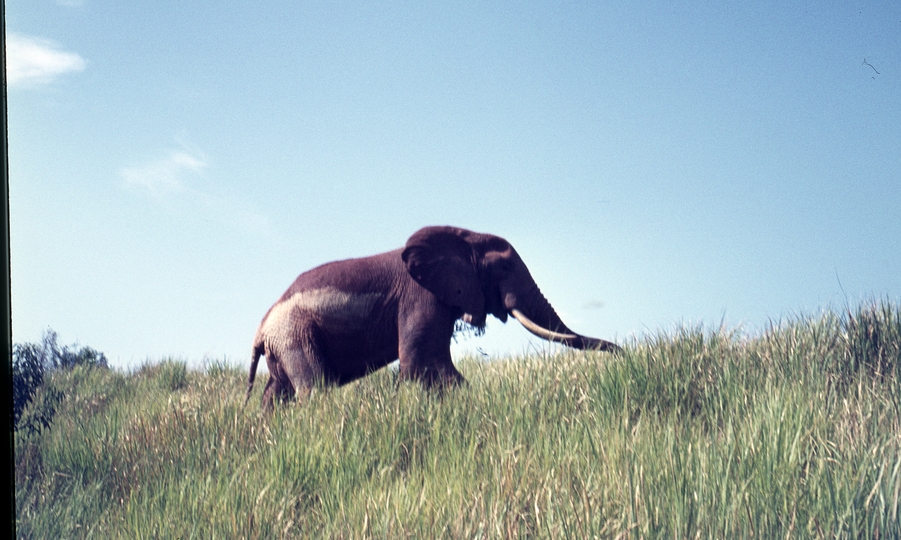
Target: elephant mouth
{"type": "Point", "coordinates": [470, 320]}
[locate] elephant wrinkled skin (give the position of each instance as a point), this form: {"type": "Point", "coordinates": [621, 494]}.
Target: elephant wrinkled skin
{"type": "Point", "coordinates": [344, 319]}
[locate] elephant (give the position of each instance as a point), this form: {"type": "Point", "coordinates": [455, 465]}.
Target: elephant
{"type": "Point", "coordinates": [343, 320]}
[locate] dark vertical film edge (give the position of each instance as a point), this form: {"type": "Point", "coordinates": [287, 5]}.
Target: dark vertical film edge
{"type": "Point", "coordinates": [8, 448]}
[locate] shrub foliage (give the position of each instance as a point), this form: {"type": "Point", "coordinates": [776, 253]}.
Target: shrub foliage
{"type": "Point", "coordinates": [32, 364]}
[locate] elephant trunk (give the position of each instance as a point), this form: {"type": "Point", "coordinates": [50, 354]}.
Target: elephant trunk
{"type": "Point", "coordinates": [552, 327]}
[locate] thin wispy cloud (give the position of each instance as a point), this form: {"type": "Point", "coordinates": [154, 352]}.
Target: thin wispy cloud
{"type": "Point", "coordinates": [178, 181]}
{"type": "Point", "coordinates": [34, 61]}
{"type": "Point", "coordinates": [164, 176]}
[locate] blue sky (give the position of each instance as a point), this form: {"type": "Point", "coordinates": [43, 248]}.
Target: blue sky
{"type": "Point", "coordinates": [174, 166]}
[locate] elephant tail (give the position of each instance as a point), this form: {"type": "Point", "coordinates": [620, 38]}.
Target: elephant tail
{"type": "Point", "coordinates": [259, 349]}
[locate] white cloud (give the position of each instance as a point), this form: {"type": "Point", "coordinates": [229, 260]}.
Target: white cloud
{"type": "Point", "coordinates": [31, 60]}
{"type": "Point", "coordinates": [177, 182]}
{"type": "Point", "coordinates": [166, 175]}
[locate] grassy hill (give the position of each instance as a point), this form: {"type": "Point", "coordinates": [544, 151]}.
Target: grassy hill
{"type": "Point", "coordinates": [691, 433]}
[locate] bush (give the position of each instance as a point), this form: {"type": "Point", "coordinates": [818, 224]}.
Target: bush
{"type": "Point", "coordinates": [28, 376]}
{"type": "Point", "coordinates": [32, 363]}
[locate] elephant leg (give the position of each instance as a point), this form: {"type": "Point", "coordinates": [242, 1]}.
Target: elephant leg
{"type": "Point", "coordinates": [269, 392]}
{"type": "Point", "coordinates": [305, 363]}
{"type": "Point", "coordinates": [437, 371]}
{"type": "Point", "coordinates": [278, 387]}
{"type": "Point", "coordinates": [424, 348]}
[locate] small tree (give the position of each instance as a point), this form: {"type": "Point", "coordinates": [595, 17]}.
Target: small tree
{"type": "Point", "coordinates": [32, 363]}
{"type": "Point", "coordinates": [28, 376]}
{"type": "Point", "coordinates": [56, 357]}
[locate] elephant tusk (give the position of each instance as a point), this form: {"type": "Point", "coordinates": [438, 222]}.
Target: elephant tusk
{"type": "Point", "coordinates": [543, 333]}
{"type": "Point", "coordinates": [571, 340]}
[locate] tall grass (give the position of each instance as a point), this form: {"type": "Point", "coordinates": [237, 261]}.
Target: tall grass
{"type": "Point", "coordinates": [693, 433]}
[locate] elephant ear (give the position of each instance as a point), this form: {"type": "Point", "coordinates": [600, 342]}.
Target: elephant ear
{"type": "Point", "coordinates": [442, 261]}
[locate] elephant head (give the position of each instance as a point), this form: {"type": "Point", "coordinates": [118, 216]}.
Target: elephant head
{"type": "Point", "coordinates": [482, 274]}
